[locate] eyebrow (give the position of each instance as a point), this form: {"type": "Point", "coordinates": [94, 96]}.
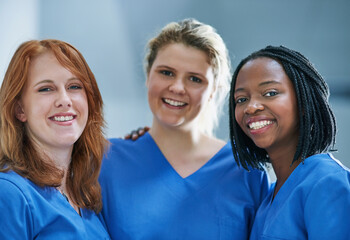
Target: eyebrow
{"type": "Point", "coordinates": [173, 69]}
{"type": "Point", "coordinates": [43, 81]}
{"type": "Point", "coordinates": [270, 82]}
{"type": "Point", "coordinates": [51, 81]}
{"type": "Point", "coordinates": [165, 66]}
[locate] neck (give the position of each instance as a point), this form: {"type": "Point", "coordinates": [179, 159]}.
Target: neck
{"type": "Point", "coordinates": [282, 166]}
{"type": "Point", "coordinates": [186, 150]}
{"type": "Point", "coordinates": [61, 158]}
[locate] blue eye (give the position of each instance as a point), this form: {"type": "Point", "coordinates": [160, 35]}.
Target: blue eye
{"type": "Point", "coordinates": [75, 87]}
{"type": "Point", "coordinates": [45, 89]}
{"type": "Point", "coordinates": [167, 73]}
{"type": "Point", "coordinates": [195, 79]}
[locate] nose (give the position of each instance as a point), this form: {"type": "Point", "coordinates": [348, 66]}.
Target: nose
{"type": "Point", "coordinates": [63, 99]}
{"type": "Point", "coordinates": [177, 86]}
{"type": "Point", "coordinates": [253, 107]}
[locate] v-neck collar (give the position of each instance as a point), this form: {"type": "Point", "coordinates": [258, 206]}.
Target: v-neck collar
{"type": "Point", "coordinates": [185, 187]}
{"type": "Point", "coordinates": [273, 205]}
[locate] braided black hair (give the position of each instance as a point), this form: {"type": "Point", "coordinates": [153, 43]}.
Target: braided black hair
{"type": "Point", "coordinates": [317, 126]}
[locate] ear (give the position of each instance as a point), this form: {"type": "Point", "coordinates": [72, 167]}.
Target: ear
{"type": "Point", "coordinates": [19, 112]}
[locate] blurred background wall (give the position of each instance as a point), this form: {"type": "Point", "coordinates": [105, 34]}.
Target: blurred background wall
{"type": "Point", "coordinates": [112, 35]}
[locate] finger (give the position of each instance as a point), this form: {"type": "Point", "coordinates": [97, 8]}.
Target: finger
{"type": "Point", "coordinates": [135, 136]}
{"type": "Point", "coordinates": [127, 136]}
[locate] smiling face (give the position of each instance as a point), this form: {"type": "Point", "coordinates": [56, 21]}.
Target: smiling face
{"type": "Point", "coordinates": [53, 104]}
{"type": "Point", "coordinates": [266, 106]}
{"type": "Point", "coordinates": [179, 83]}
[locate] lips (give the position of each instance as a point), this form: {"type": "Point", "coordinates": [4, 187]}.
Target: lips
{"type": "Point", "coordinates": [63, 118]}
{"type": "Point", "coordinates": [259, 124]}
{"type": "Point", "coordinates": [174, 103]}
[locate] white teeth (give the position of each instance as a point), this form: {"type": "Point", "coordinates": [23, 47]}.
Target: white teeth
{"type": "Point", "coordinates": [63, 118]}
{"type": "Point", "coordinates": [174, 103]}
{"type": "Point", "coordinates": [258, 125]}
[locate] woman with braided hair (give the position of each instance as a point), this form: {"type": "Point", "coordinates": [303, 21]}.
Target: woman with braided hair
{"type": "Point", "coordinates": [279, 113]}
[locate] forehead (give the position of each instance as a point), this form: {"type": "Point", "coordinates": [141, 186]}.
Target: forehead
{"type": "Point", "coordinates": [43, 59]}
{"type": "Point", "coordinates": [262, 69]}
{"type": "Point", "coordinates": [176, 53]}
{"type": "Point", "coordinates": [263, 66]}
{"type": "Point", "coordinates": [46, 66]}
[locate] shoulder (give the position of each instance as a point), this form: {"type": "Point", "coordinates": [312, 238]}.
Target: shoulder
{"type": "Point", "coordinates": [320, 166]}
{"type": "Point", "coordinates": [123, 155]}
{"type": "Point", "coordinates": [327, 178]}
{"type": "Point", "coordinates": [15, 205]}
{"type": "Point", "coordinates": [15, 188]}
{"type": "Point", "coordinates": [11, 181]}
{"type": "Point", "coordinates": [328, 197]}
{"type": "Point", "coordinates": [254, 179]}
{"type": "Point", "coordinates": [328, 172]}
{"type": "Point", "coordinates": [120, 145]}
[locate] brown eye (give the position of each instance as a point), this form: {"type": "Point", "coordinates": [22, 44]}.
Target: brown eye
{"type": "Point", "coordinates": [241, 100]}
{"type": "Point", "coordinates": [271, 94]}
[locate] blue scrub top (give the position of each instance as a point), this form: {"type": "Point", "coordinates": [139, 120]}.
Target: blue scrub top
{"type": "Point", "coordinates": [145, 198]}
{"type": "Point", "coordinates": [28, 211]}
{"type": "Point", "coordinates": [314, 204]}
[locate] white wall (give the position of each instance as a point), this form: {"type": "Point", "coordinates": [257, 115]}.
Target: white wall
{"type": "Point", "coordinates": [19, 21]}
{"type": "Point", "coordinates": [112, 35]}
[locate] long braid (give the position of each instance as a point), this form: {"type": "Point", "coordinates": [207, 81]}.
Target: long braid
{"type": "Point", "coordinates": [317, 125]}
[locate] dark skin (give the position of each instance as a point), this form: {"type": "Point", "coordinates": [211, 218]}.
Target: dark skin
{"type": "Point", "coordinates": [266, 110]}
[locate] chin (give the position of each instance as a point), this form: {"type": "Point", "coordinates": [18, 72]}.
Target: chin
{"type": "Point", "coordinates": [166, 121]}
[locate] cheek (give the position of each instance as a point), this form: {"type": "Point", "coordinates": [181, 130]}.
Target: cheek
{"type": "Point", "coordinates": [154, 87]}
{"type": "Point", "coordinates": [200, 96]}
{"type": "Point", "coordinates": [81, 103]}
{"type": "Point", "coordinates": [238, 114]}
{"type": "Point", "coordinates": [36, 107]}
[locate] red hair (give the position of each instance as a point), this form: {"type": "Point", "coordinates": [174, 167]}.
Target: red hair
{"type": "Point", "coordinates": [17, 151]}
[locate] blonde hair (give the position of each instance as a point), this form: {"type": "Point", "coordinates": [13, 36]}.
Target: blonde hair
{"type": "Point", "coordinates": [17, 151]}
{"type": "Point", "coordinates": [193, 33]}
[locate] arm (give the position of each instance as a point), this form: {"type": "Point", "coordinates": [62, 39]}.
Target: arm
{"type": "Point", "coordinates": [15, 215]}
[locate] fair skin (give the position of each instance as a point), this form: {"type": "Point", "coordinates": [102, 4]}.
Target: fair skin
{"type": "Point", "coordinates": [180, 84]}
{"type": "Point", "coordinates": [54, 108]}
{"type": "Point", "coordinates": [267, 112]}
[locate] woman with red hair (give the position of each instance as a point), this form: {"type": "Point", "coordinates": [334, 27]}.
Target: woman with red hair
{"type": "Point", "coordinates": [52, 144]}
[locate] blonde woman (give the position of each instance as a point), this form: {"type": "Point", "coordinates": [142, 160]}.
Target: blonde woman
{"type": "Point", "coordinates": [178, 181]}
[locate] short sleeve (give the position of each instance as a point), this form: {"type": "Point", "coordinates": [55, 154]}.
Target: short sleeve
{"type": "Point", "coordinates": [327, 208]}
{"type": "Point", "coordinates": [15, 215]}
